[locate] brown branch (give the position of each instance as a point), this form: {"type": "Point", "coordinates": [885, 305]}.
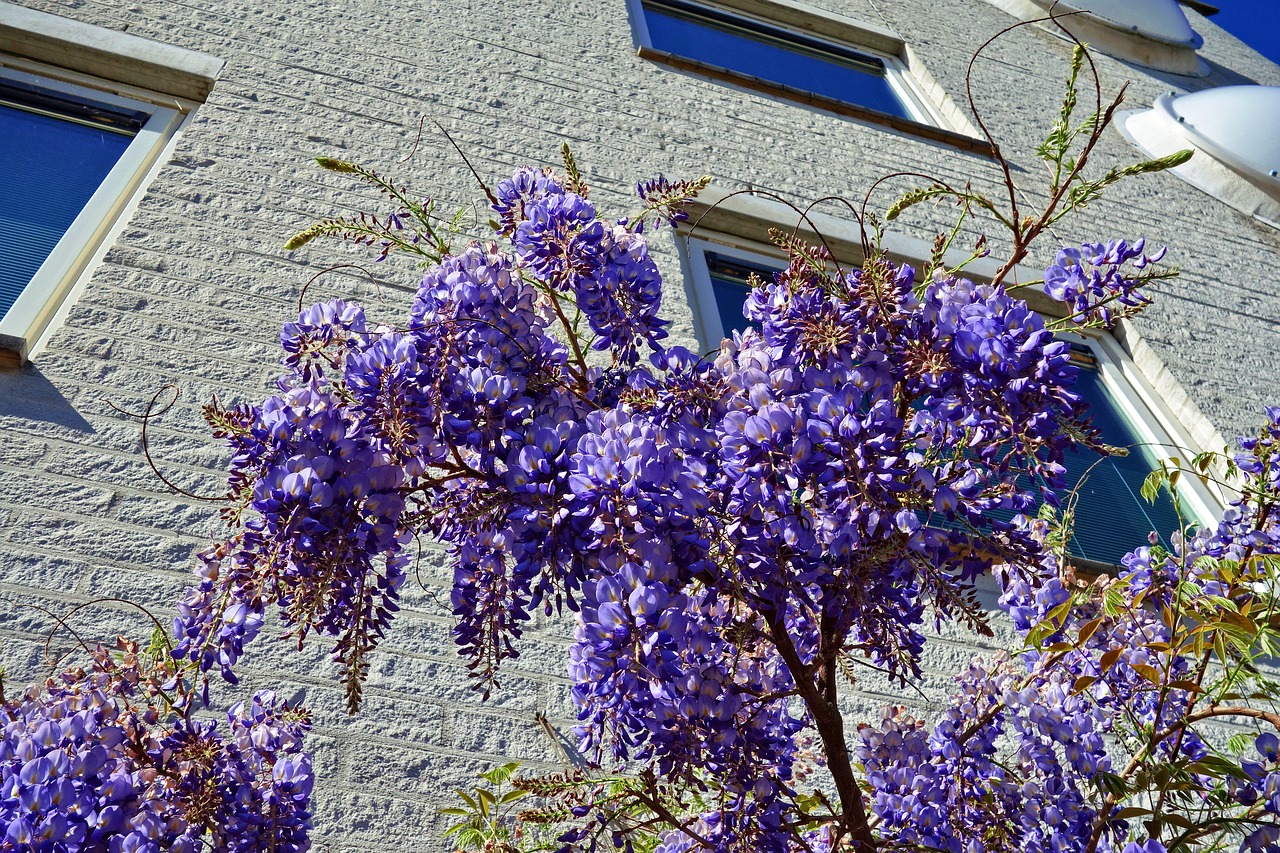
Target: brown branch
{"type": "Point", "coordinates": [302, 294]}
{"type": "Point", "coordinates": [146, 416]}
{"type": "Point", "coordinates": [1134, 763]}
{"type": "Point", "coordinates": [653, 802]}
{"type": "Point", "coordinates": [1022, 239]}
{"type": "Point", "coordinates": [830, 725]}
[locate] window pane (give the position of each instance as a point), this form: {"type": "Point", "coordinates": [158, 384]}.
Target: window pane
{"type": "Point", "coordinates": [773, 55]}
{"type": "Point", "coordinates": [52, 167]}
{"type": "Point", "coordinates": [1112, 518]}
{"type": "Point", "coordinates": [728, 283]}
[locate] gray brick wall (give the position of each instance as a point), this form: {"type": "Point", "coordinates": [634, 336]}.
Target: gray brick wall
{"type": "Point", "coordinates": [195, 288]}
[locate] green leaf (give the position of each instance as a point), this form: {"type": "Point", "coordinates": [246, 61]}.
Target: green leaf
{"type": "Point", "coordinates": [1238, 743]}
{"type": "Point", "coordinates": [1131, 811]}
{"type": "Point", "coordinates": [1087, 630]}
{"type": "Point", "coordinates": [1151, 485]}
{"type": "Point", "coordinates": [487, 799]}
{"type": "Point", "coordinates": [1083, 683]}
{"type": "Point", "coordinates": [501, 773]}
{"type": "Point", "coordinates": [470, 838]}
{"type": "Point", "coordinates": [1148, 672]}
{"type": "Point", "coordinates": [1113, 602]}
{"type": "Point", "coordinates": [1111, 783]}
{"type": "Point", "coordinates": [1189, 686]}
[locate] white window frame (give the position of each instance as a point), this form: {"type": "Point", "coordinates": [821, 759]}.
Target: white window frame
{"type": "Point", "coordinates": [1146, 411]}
{"type": "Point", "coordinates": [922, 110]}
{"type": "Point", "coordinates": [114, 68]}
{"type": "Point", "coordinates": [78, 249]}
{"type": "Point", "coordinates": [697, 283]}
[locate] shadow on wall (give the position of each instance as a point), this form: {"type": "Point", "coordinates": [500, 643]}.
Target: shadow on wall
{"type": "Point", "coordinates": [26, 394]}
{"type": "Point", "coordinates": [1219, 75]}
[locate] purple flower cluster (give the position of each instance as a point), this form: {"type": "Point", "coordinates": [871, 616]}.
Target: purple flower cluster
{"type": "Point", "coordinates": [1094, 284]}
{"type": "Point", "coordinates": [1006, 761]}
{"type": "Point", "coordinates": [526, 186]}
{"type": "Point", "coordinates": [324, 539]}
{"type": "Point", "coordinates": [378, 434]}
{"type": "Point", "coordinates": [731, 530]}
{"type": "Point", "coordinates": [559, 238]}
{"type": "Point", "coordinates": [318, 332]}
{"type": "Point", "coordinates": [830, 479]}
{"type": "Point", "coordinates": [84, 768]}
{"type": "Point", "coordinates": [606, 268]}
{"type": "Point", "coordinates": [622, 296]}
{"type": "Point", "coordinates": [1260, 455]}
{"type": "Point", "coordinates": [1258, 788]}
{"type": "Point", "coordinates": [1016, 753]}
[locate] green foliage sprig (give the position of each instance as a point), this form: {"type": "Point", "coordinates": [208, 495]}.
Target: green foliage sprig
{"type": "Point", "coordinates": [424, 235]}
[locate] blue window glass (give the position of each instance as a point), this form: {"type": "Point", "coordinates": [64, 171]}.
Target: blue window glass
{"type": "Point", "coordinates": [729, 278]}
{"type": "Point", "coordinates": [1111, 517]}
{"type": "Point", "coordinates": [56, 152]}
{"type": "Point", "coordinates": [778, 56]}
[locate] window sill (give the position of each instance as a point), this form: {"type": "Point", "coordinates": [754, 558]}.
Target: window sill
{"type": "Point", "coordinates": [106, 53]}
{"type": "Point", "coordinates": [13, 352]}
{"type": "Point", "coordinates": [927, 132]}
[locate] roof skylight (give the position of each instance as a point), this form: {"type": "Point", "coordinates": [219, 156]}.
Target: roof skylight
{"type": "Point", "coordinates": [1153, 33]}
{"type": "Point", "coordinates": [1235, 131]}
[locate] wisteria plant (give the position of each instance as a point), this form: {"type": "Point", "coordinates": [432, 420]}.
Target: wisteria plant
{"type": "Point", "coordinates": [735, 534]}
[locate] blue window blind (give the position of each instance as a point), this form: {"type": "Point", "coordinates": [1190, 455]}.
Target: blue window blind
{"type": "Point", "coordinates": [56, 151]}
{"type": "Point", "coordinates": [773, 54]}
{"type": "Point", "coordinates": [1111, 517]}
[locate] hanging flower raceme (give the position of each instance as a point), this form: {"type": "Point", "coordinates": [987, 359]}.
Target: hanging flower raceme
{"type": "Point", "coordinates": [1095, 285]}
{"type": "Point", "coordinates": [89, 763]}
{"type": "Point", "coordinates": [323, 538]}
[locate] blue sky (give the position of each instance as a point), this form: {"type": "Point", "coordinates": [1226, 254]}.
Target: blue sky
{"type": "Point", "coordinates": [1254, 22]}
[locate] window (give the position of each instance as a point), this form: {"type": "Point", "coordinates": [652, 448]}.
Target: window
{"type": "Point", "coordinates": [804, 59]}
{"type": "Point", "coordinates": [72, 156]}
{"type": "Point", "coordinates": [78, 139]}
{"type": "Point", "coordinates": [1111, 516]}
{"type": "Point", "coordinates": [749, 47]}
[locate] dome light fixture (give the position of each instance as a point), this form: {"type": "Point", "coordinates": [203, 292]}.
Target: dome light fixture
{"type": "Point", "coordinates": [1235, 132]}
{"type": "Point", "coordinates": [1152, 33]}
